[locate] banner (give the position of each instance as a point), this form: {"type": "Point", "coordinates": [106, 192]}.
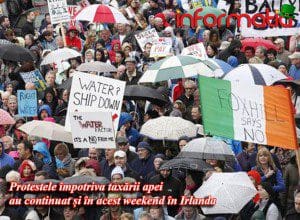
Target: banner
{"type": "Point", "coordinates": [160, 50]}
{"type": "Point", "coordinates": [27, 103]}
{"type": "Point", "coordinates": [145, 37]}
{"type": "Point", "coordinates": [36, 78]}
{"type": "Point", "coordinates": [254, 8]}
{"type": "Point", "coordinates": [197, 50]}
{"type": "Point", "coordinates": [251, 113]}
{"type": "Point", "coordinates": [92, 129]}
{"type": "Point", "coordinates": [58, 11]}
{"type": "Point", "coordinates": [95, 93]}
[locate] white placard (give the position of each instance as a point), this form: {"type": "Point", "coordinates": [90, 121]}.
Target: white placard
{"type": "Point", "coordinates": [58, 10]}
{"type": "Point", "coordinates": [145, 37]}
{"type": "Point", "coordinates": [92, 129]}
{"type": "Point", "coordinates": [197, 50]}
{"type": "Point", "coordinates": [95, 93]}
{"type": "Point", "coordinates": [252, 8]}
{"type": "Point", "coordinates": [160, 50]}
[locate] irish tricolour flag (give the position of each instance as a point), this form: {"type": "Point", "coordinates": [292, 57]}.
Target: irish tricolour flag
{"type": "Point", "coordinates": [257, 114]}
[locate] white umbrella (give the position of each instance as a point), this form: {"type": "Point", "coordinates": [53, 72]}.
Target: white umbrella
{"type": "Point", "coordinates": [48, 130]}
{"type": "Point", "coordinates": [59, 55]}
{"type": "Point", "coordinates": [255, 74]}
{"type": "Point", "coordinates": [168, 128]}
{"type": "Point", "coordinates": [207, 148]}
{"type": "Point", "coordinates": [96, 66]}
{"type": "Point", "coordinates": [231, 190]}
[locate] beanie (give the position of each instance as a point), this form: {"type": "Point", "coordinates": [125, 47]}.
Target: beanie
{"type": "Point", "coordinates": [117, 170]}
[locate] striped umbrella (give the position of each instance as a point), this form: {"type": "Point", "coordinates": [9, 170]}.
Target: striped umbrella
{"type": "Point", "coordinates": [101, 14]}
{"type": "Point", "coordinates": [223, 67]}
{"type": "Point", "coordinates": [176, 67]}
{"type": "Point", "coordinates": [255, 74]}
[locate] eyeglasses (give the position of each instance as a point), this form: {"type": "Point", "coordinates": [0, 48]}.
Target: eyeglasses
{"type": "Point", "coordinates": [189, 88]}
{"type": "Point", "coordinates": [122, 144]}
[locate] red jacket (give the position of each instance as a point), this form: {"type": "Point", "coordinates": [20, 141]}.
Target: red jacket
{"type": "Point", "coordinates": [75, 42]}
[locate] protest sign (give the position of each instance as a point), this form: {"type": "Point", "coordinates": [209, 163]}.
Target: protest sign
{"type": "Point", "coordinates": [145, 37]}
{"type": "Point", "coordinates": [160, 50]}
{"type": "Point", "coordinates": [35, 77]}
{"type": "Point", "coordinates": [73, 10]}
{"type": "Point", "coordinates": [163, 40]}
{"type": "Point", "coordinates": [197, 50]}
{"type": "Point", "coordinates": [92, 129]}
{"type": "Point", "coordinates": [276, 25]}
{"type": "Point", "coordinates": [256, 114]}
{"type": "Point", "coordinates": [27, 103]}
{"type": "Point", "coordinates": [222, 4]}
{"type": "Point", "coordinates": [95, 93]}
{"type": "Point", "coordinates": [58, 11]}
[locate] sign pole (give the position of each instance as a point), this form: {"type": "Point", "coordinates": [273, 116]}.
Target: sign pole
{"type": "Point", "coordinates": [298, 159]}
{"type": "Point", "coordinates": [63, 34]}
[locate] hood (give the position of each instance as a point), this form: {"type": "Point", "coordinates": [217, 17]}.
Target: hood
{"type": "Point", "coordinates": [42, 148]}
{"type": "Point", "coordinates": [115, 42]}
{"type": "Point", "coordinates": [124, 118]}
{"type": "Point", "coordinates": [47, 108]}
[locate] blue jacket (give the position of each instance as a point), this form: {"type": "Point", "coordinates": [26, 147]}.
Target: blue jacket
{"type": "Point", "coordinates": [132, 134]}
{"type": "Point", "coordinates": [42, 148]}
{"type": "Point", "coordinates": [5, 159]}
{"type": "Point", "coordinates": [143, 167]}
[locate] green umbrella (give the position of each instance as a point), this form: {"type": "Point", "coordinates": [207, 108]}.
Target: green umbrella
{"type": "Point", "coordinates": [207, 14]}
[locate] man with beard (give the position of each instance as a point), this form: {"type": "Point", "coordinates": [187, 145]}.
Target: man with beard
{"type": "Point", "coordinates": [172, 187]}
{"type": "Point", "coordinates": [234, 49]}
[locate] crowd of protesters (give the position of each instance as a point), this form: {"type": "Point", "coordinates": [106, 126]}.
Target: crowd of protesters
{"type": "Point", "coordinates": [25, 158]}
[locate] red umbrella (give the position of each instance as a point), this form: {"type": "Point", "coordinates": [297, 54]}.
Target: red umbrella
{"type": "Point", "coordinates": [5, 118]}
{"type": "Point", "coordinates": [255, 42]}
{"type": "Point", "coordinates": [101, 14]}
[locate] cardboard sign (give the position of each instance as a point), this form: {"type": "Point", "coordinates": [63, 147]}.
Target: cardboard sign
{"type": "Point", "coordinates": [255, 8]}
{"type": "Point", "coordinates": [145, 37]}
{"type": "Point", "coordinates": [95, 93]}
{"type": "Point", "coordinates": [58, 11]}
{"type": "Point", "coordinates": [36, 78]}
{"type": "Point", "coordinates": [197, 50]}
{"type": "Point", "coordinates": [160, 50]}
{"type": "Point", "coordinates": [27, 103]}
{"type": "Point", "coordinates": [92, 129]}
{"type": "Point", "coordinates": [163, 41]}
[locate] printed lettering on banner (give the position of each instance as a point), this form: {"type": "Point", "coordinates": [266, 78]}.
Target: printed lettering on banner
{"type": "Point", "coordinates": [27, 103]}
{"type": "Point", "coordinates": [58, 10]}
{"type": "Point", "coordinates": [95, 93]}
{"type": "Point", "coordinates": [197, 50]}
{"type": "Point", "coordinates": [92, 129]}
{"type": "Point", "coordinates": [145, 37]}
{"type": "Point", "coordinates": [268, 12]}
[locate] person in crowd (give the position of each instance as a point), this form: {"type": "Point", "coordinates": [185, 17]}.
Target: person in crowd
{"type": "Point", "coordinates": [131, 75]}
{"type": "Point", "coordinates": [108, 163]}
{"type": "Point", "coordinates": [234, 49]}
{"type": "Point", "coordinates": [244, 157]}
{"type": "Point", "coordinates": [120, 159]}
{"type": "Point", "coordinates": [5, 159]}
{"type": "Point", "coordinates": [294, 213]}
{"type": "Point", "coordinates": [187, 98]}
{"type": "Point", "coordinates": [65, 164]}
{"type": "Point", "coordinates": [294, 71]}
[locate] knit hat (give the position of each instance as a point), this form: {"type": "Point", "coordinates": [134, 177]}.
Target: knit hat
{"type": "Point", "coordinates": [144, 145]}
{"type": "Point", "coordinates": [117, 170]}
{"type": "Point", "coordinates": [94, 164]}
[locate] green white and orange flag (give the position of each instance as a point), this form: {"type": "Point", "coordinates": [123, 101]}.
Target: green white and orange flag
{"type": "Point", "coordinates": [252, 113]}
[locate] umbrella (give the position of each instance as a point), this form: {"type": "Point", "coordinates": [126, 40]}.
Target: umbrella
{"type": "Point", "coordinates": [101, 14]}
{"type": "Point", "coordinates": [48, 130]}
{"type": "Point", "coordinates": [66, 84]}
{"type": "Point", "coordinates": [13, 52]}
{"type": "Point", "coordinates": [59, 55]}
{"type": "Point", "coordinates": [176, 67]}
{"type": "Point", "coordinates": [5, 118]}
{"type": "Point", "coordinates": [186, 163]}
{"type": "Point", "coordinates": [207, 148]}
{"type": "Point", "coordinates": [255, 42]}
{"type": "Point", "coordinates": [168, 128]}
{"type": "Point", "coordinates": [255, 74]}
{"type": "Point", "coordinates": [231, 190]}
{"type": "Point", "coordinates": [223, 67]}
{"type": "Point", "coordinates": [138, 92]}
{"type": "Point", "coordinates": [85, 179]}
{"type": "Point", "coordinates": [205, 11]}
{"type": "Point", "coordinates": [96, 66]}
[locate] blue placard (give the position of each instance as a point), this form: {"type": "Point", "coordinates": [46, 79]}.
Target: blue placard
{"type": "Point", "coordinates": [27, 103]}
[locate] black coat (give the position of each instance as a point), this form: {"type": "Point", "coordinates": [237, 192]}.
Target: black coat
{"type": "Point", "coordinates": [172, 187]}
{"type": "Point", "coordinates": [28, 28]}
{"type": "Point", "coordinates": [134, 80]}
{"type": "Point", "coordinates": [225, 54]}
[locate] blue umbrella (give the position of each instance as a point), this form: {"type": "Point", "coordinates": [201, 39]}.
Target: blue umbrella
{"type": "Point", "coordinates": [225, 67]}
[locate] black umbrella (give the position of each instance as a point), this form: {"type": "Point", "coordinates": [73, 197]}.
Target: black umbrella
{"type": "Point", "coordinates": [138, 92]}
{"type": "Point", "coordinates": [85, 179]}
{"type": "Point", "coordinates": [186, 163]}
{"type": "Point", "coordinates": [66, 84]}
{"type": "Point", "coordinates": [13, 52]}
